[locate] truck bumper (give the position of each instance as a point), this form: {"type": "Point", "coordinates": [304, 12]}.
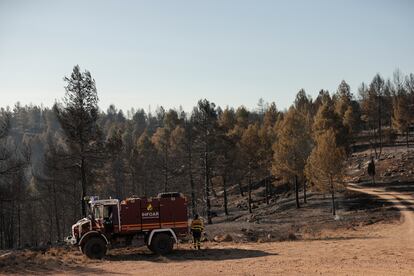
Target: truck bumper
{"type": "Point", "coordinates": [71, 240]}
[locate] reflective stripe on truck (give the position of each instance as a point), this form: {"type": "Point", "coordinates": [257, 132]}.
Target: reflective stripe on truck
{"type": "Point", "coordinates": [168, 230]}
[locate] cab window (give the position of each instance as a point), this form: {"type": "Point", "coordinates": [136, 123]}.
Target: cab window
{"type": "Point", "coordinates": [107, 212]}
{"type": "Point", "coordinates": [97, 212]}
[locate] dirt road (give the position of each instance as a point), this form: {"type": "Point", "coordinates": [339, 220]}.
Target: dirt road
{"type": "Point", "coordinates": [379, 249]}
{"type": "Point", "coordinates": [404, 201]}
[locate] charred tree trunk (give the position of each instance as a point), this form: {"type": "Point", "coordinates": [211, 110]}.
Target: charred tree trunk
{"type": "Point", "coordinates": [165, 180]}
{"type": "Point", "coordinates": [304, 192]}
{"type": "Point", "coordinates": [374, 142]}
{"type": "Point", "coordinates": [333, 196]}
{"type": "Point", "coordinates": [212, 190]}
{"type": "Point", "coordinates": [144, 182]}
{"type": "Point", "coordinates": [193, 199]}
{"type": "Point", "coordinates": [250, 190]}
{"type": "Point", "coordinates": [406, 139]}
{"type": "Point", "coordinates": [63, 222]}
{"type": "Point", "coordinates": [19, 233]}
{"type": "Point", "coordinates": [50, 217]}
{"type": "Point", "coordinates": [133, 180]}
{"type": "Point", "coordinates": [75, 207]}
{"type": "Point", "coordinates": [207, 187]}
{"type": "Point", "coordinates": [83, 178]}
{"type": "Point", "coordinates": [2, 227]}
{"type": "Point", "coordinates": [11, 226]}
{"type": "Point", "coordinates": [241, 189]}
{"type": "Point", "coordinates": [189, 147]}
{"type": "Point", "coordinates": [226, 211]}
{"type": "Point", "coordinates": [118, 175]}
{"type": "Point", "coordinates": [1, 224]}
{"type": "Point", "coordinates": [297, 192]}
{"type": "Point", "coordinates": [267, 190]}
{"type": "Point", "coordinates": [55, 205]}
{"type": "Point", "coordinates": [379, 126]}
{"type": "Point", "coordinates": [166, 169]}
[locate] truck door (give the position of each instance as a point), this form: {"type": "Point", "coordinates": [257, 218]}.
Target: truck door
{"type": "Point", "coordinates": [115, 218]}
{"type": "Point", "coordinates": [110, 218]}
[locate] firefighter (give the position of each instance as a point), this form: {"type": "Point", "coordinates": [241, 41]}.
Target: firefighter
{"type": "Point", "coordinates": [197, 228]}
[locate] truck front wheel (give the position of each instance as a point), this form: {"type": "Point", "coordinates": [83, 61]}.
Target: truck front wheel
{"type": "Point", "coordinates": [162, 244]}
{"type": "Point", "coordinates": [95, 248]}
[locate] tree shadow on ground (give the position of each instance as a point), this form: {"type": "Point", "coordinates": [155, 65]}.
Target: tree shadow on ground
{"type": "Point", "coordinates": [182, 255]}
{"type": "Point", "coordinates": [47, 269]}
{"type": "Point", "coordinates": [340, 238]}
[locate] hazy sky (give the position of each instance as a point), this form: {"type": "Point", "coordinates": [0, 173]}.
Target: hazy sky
{"type": "Point", "coordinates": [173, 53]}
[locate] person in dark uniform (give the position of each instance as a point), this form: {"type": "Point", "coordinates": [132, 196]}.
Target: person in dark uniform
{"type": "Point", "coordinates": [108, 221]}
{"type": "Point", "coordinates": [371, 170]}
{"type": "Point", "coordinates": [197, 228]}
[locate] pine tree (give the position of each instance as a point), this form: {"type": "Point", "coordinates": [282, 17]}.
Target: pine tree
{"type": "Point", "coordinates": [78, 117]}
{"type": "Point", "coordinates": [303, 102]}
{"type": "Point", "coordinates": [292, 148]}
{"type": "Point", "coordinates": [4, 123]}
{"type": "Point", "coordinates": [143, 165]}
{"type": "Point", "coordinates": [242, 117]}
{"type": "Point", "coordinates": [327, 118]}
{"type": "Point", "coordinates": [271, 116]}
{"type": "Point", "coordinates": [239, 122]}
{"type": "Point", "coordinates": [351, 120]}
{"type": "Point", "coordinates": [226, 151]}
{"type": "Point", "coordinates": [115, 149]}
{"type": "Point", "coordinates": [249, 146]}
{"type": "Point", "coordinates": [343, 99]}
{"type": "Point", "coordinates": [205, 120]}
{"type": "Point", "coordinates": [401, 114]}
{"type": "Point", "coordinates": [267, 137]}
{"type": "Point", "coordinates": [374, 108]}
{"type": "Point", "coordinates": [161, 141]}
{"type": "Point", "coordinates": [185, 137]}
{"type": "Point", "coordinates": [139, 123]}
{"type": "Point", "coordinates": [325, 164]}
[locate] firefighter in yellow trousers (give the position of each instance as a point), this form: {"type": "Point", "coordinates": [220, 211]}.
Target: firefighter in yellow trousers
{"type": "Point", "coordinates": [197, 228]}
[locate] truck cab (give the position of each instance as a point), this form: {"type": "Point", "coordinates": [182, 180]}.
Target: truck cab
{"type": "Point", "coordinates": [105, 214]}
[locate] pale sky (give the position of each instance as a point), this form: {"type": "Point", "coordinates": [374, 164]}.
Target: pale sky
{"type": "Point", "coordinates": [173, 53]}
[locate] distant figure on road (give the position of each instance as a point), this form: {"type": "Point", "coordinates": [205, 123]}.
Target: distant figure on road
{"type": "Point", "coordinates": [197, 228]}
{"type": "Point", "coordinates": [371, 169]}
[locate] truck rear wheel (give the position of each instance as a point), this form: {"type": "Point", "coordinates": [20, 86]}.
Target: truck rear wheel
{"type": "Point", "coordinates": [162, 244]}
{"type": "Point", "coordinates": [95, 248]}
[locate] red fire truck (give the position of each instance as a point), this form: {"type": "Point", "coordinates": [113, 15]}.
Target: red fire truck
{"type": "Point", "coordinates": [157, 221]}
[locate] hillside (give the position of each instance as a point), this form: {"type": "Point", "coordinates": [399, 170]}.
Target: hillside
{"type": "Point", "coordinates": [280, 220]}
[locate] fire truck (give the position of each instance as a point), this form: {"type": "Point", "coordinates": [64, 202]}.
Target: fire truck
{"type": "Point", "coordinates": [157, 222]}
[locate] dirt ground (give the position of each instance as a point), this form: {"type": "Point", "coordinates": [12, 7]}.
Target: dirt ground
{"type": "Point", "coordinates": [376, 249]}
